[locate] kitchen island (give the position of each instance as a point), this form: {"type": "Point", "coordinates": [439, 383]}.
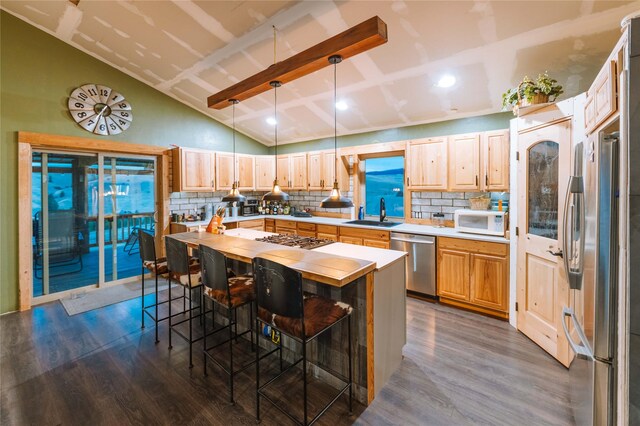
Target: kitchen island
{"type": "Point", "coordinates": [371, 280]}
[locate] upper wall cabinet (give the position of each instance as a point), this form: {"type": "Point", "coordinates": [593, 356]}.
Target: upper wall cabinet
{"type": "Point", "coordinates": [292, 171]}
{"type": "Point", "coordinates": [265, 172]}
{"type": "Point", "coordinates": [495, 154]}
{"type": "Point", "coordinates": [464, 162]}
{"type": "Point", "coordinates": [427, 164]}
{"type": "Point", "coordinates": [244, 171]}
{"type": "Point", "coordinates": [320, 171]}
{"type": "Point", "coordinates": [193, 170]}
{"type": "Point", "coordinates": [601, 97]}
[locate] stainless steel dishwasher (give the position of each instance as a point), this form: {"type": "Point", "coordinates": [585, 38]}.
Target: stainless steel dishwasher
{"type": "Point", "coordinates": [421, 264]}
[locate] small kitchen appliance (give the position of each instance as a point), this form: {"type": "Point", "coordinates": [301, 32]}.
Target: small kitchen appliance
{"type": "Point", "coordinates": [486, 222]}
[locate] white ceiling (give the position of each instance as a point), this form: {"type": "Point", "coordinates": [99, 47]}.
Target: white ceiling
{"type": "Point", "coordinates": [190, 49]}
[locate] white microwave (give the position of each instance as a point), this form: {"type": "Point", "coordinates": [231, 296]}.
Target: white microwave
{"type": "Point", "coordinates": [486, 222]}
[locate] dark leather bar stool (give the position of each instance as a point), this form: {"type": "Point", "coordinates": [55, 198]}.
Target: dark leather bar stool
{"type": "Point", "coordinates": [157, 266]}
{"type": "Point", "coordinates": [282, 304]}
{"type": "Point", "coordinates": [229, 292]}
{"type": "Point", "coordinates": [184, 270]}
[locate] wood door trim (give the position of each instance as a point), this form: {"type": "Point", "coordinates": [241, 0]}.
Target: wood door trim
{"type": "Point", "coordinates": [80, 144]}
{"type": "Point", "coordinates": [27, 141]}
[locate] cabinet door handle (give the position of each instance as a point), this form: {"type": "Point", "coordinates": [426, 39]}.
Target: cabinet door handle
{"type": "Point", "coordinates": [486, 180]}
{"type": "Point", "coordinates": [476, 180]}
{"type": "Point", "coordinates": [407, 181]}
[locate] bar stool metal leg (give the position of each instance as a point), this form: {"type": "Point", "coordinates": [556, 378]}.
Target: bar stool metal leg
{"type": "Point", "coordinates": [143, 297]}
{"type": "Point", "coordinates": [304, 377]}
{"type": "Point", "coordinates": [350, 370]}
{"type": "Point", "coordinates": [170, 299]}
{"type": "Point", "coordinates": [156, 307]}
{"type": "Point", "coordinates": [231, 333]}
{"type": "Point", "coordinates": [190, 328]}
{"type": "Point", "coordinates": [257, 368]}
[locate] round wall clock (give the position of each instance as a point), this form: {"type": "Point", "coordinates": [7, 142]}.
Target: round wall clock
{"type": "Point", "coordinates": [99, 109]}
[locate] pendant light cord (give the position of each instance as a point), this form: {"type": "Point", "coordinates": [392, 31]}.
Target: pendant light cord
{"type": "Point", "coordinates": [275, 116]}
{"type": "Point", "coordinates": [335, 122]}
{"type": "Point", "coordinates": [233, 119]}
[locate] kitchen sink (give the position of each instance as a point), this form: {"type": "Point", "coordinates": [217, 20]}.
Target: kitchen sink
{"type": "Point", "coordinates": [373, 223]}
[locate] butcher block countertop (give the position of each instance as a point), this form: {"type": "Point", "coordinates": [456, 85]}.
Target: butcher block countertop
{"type": "Point", "coordinates": [317, 266]}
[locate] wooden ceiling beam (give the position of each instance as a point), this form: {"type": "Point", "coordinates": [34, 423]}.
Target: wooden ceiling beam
{"type": "Point", "coordinates": [355, 40]}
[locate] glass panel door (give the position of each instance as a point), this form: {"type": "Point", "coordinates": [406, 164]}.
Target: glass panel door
{"type": "Point", "coordinates": [129, 207]}
{"type": "Point", "coordinates": [64, 256]}
{"type": "Point", "coordinates": [542, 188]}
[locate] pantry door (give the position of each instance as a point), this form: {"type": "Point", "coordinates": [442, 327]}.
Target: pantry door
{"type": "Point", "coordinates": [542, 289]}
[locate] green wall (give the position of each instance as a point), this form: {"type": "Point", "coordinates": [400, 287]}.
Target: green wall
{"type": "Point", "coordinates": [37, 73]}
{"type": "Point", "coordinates": [442, 128]}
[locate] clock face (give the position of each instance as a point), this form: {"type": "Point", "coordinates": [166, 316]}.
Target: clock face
{"type": "Point", "coordinates": [100, 110]}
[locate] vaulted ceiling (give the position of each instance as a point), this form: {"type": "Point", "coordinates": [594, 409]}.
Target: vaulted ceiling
{"type": "Point", "coordinates": [190, 49]}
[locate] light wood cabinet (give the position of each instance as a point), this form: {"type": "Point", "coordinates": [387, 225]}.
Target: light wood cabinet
{"type": "Point", "coordinates": [464, 162]}
{"type": "Point", "coordinates": [244, 168]}
{"type": "Point", "coordinates": [257, 224]}
{"type": "Point", "coordinates": [364, 237]}
{"type": "Point", "coordinates": [245, 171]}
{"type": "Point", "coordinates": [292, 171]}
{"type": "Point", "coordinates": [426, 162]}
{"type": "Point", "coordinates": [265, 172]}
{"type": "Point", "coordinates": [298, 167]}
{"type": "Point", "coordinates": [285, 226]}
{"type": "Point", "coordinates": [495, 154]}
{"type": "Point", "coordinates": [315, 171]}
{"type": "Point", "coordinates": [320, 171]}
{"type": "Point", "coordinates": [474, 275]}
{"type": "Point", "coordinates": [269, 225]}
{"type": "Point", "coordinates": [488, 283]}
{"type": "Point", "coordinates": [453, 274]}
{"type": "Point", "coordinates": [601, 100]}
{"type": "Point", "coordinates": [327, 232]}
{"type": "Point", "coordinates": [284, 172]}
{"type": "Point", "coordinates": [193, 170]}
{"type": "Point", "coordinates": [224, 171]}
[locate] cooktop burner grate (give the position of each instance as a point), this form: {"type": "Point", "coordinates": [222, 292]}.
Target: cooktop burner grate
{"type": "Point", "coordinates": [306, 243]}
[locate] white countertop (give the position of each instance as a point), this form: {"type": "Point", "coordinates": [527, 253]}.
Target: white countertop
{"type": "Point", "coordinates": [404, 227]}
{"type": "Point", "coordinates": [382, 257]}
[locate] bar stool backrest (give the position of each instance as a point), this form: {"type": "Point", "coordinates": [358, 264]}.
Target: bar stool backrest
{"type": "Point", "coordinates": [214, 270]}
{"type": "Point", "coordinates": [147, 246]}
{"type": "Point", "coordinates": [278, 289]}
{"type": "Point", "coordinates": [177, 256]}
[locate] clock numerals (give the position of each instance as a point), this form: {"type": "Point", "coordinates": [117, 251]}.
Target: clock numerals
{"type": "Point", "coordinates": [100, 110]}
{"type": "Point", "coordinates": [81, 96]}
{"type": "Point", "coordinates": [89, 124]}
{"type": "Point", "coordinates": [101, 127]}
{"type": "Point", "coordinates": [91, 90]}
{"type": "Point", "coordinates": [76, 105]}
{"type": "Point", "coordinates": [114, 98]}
{"type": "Point", "coordinates": [127, 115]}
{"type": "Point", "coordinates": [81, 115]}
{"type": "Point", "coordinates": [104, 92]}
{"type": "Point", "coordinates": [123, 124]}
{"type": "Point", "coordinates": [121, 106]}
{"type": "Point", "coordinates": [112, 127]}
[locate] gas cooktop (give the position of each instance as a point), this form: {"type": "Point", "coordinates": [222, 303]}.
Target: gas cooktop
{"type": "Point", "coordinates": [306, 243]}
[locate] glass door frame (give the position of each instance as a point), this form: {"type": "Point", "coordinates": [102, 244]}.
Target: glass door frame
{"type": "Point", "coordinates": [100, 229]}
{"type": "Point", "coordinates": [101, 215]}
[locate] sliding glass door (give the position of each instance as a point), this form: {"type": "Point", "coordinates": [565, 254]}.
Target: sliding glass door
{"type": "Point", "coordinates": [87, 211]}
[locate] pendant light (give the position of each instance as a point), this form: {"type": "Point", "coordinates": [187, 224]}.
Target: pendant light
{"type": "Point", "coordinates": [335, 200]}
{"type": "Point", "coordinates": [276, 194]}
{"type": "Point", "coordinates": [234, 195]}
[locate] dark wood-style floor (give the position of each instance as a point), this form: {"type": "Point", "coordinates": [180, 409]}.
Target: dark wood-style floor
{"type": "Point", "coordinates": [100, 368]}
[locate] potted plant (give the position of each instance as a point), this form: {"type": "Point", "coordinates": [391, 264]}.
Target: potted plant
{"type": "Point", "coordinates": [529, 92]}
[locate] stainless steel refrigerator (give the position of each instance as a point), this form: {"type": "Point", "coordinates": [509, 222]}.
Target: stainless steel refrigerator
{"type": "Point", "coordinates": [590, 257]}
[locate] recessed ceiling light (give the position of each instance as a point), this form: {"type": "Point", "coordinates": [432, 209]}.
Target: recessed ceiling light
{"type": "Point", "coordinates": [342, 105]}
{"type": "Point", "coordinates": [272, 121]}
{"type": "Point", "coordinates": [446, 80]}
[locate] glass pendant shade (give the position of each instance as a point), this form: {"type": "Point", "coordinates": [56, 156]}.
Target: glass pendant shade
{"type": "Point", "coordinates": [276, 193]}
{"type": "Point", "coordinates": [234, 195]}
{"type": "Point", "coordinates": [335, 200]}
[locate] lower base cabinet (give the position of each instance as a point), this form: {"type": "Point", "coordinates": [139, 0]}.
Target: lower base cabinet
{"type": "Point", "coordinates": [364, 237]}
{"type": "Point", "coordinates": [474, 275]}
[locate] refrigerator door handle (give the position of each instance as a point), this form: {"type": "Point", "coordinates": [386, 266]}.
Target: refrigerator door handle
{"type": "Point", "coordinates": [573, 262]}
{"type": "Point", "coordinates": [582, 348]}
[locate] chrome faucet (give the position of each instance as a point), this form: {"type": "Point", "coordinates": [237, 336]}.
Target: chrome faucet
{"type": "Point", "coordinates": [383, 210]}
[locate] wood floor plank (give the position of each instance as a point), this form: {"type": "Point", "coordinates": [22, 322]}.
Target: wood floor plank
{"type": "Point", "coordinates": [99, 367]}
